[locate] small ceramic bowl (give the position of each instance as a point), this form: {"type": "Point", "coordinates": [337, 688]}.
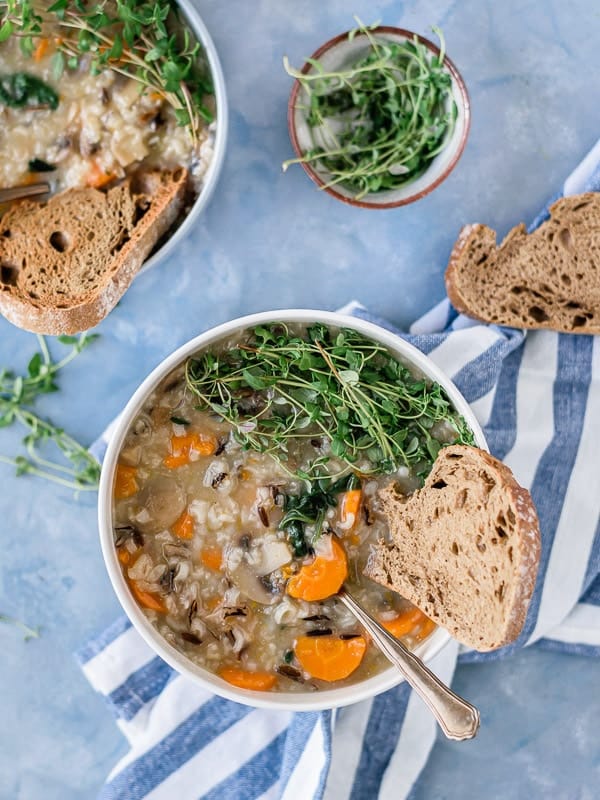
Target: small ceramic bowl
{"type": "Point", "coordinates": [339, 52]}
{"type": "Point", "coordinates": [293, 701]}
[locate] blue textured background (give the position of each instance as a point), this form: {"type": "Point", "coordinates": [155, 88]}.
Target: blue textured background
{"type": "Point", "coordinates": [269, 240]}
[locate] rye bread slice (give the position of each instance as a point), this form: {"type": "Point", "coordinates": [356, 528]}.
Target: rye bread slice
{"type": "Point", "coordinates": [546, 279]}
{"type": "Point", "coordinates": [65, 264]}
{"type": "Point", "coordinates": [464, 548]}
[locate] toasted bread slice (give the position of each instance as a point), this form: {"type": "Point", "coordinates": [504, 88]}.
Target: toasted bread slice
{"type": "Point", "coordinates": [546, 279]}
{"type": "Point", "coordinates": [65, 264]}
{"type": "Point", "coordinates": [465, 548]}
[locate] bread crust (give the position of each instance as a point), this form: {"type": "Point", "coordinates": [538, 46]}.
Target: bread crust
{"type": "Point", "coordinates": [467, 234]}
{"type": "Point", "coordinates": [543, 280]}
{"type": "Point", "coordinates": [408, 514]}
{"type": "Point", "coordinates": [165, 192]}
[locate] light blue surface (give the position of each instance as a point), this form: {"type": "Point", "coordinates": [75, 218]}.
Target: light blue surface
{"type": "Point", "coordinates": [269, 240]}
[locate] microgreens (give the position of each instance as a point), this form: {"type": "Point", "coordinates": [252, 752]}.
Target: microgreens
{"type": "Point", "coordinates": [144, 41]}
{"type": "Point", "coordinates": [19, 392]}
{"type": "Point", "coordinates": [277, 388]}
{"type": "Point", "coordinates": [378, 123]}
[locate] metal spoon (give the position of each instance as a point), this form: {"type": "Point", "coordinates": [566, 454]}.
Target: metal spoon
{"type": "Point", "coordinates": [19, 192]}
{"type": "Point", "coordinates": [457, 718]}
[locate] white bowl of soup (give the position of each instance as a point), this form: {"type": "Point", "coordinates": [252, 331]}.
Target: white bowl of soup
{"type": "Point", "coordinates": [240, 489]}
{"type": "Point", "coordinates": [72, 125]}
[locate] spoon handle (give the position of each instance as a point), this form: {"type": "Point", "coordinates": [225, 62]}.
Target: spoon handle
{"type": "Point", "coordinates": [457, 718]}
{"type": "Point", "coordinates": [19, 192]}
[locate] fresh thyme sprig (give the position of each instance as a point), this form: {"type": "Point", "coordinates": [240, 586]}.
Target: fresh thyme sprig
{"type": "Point", "coordinates": [142, 40]}
{"type": "Point", "coordinates": [28, 632]}
{"type": "Point", "coordinates": [277, 386]}
{"type": "Point", "coordinates": [377, 124]}
{"type": "Point", "coordinates": [18, 394]}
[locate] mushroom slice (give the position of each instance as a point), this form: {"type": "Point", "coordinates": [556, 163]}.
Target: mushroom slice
{"type": "Point", "coordinates": [244, 576]}
{"type": "Point", "coordinates": [272, 554]}
{"type": "Point", "coordinates": [162, 502]}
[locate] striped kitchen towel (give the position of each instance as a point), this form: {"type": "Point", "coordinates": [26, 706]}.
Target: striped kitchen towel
{"type": "Point", "coordinates": [538, 399]}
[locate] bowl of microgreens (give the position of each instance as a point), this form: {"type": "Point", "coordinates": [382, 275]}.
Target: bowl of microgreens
{"type": "Point", "coordinates": [261, 431]}
{"type": "Point", "coordinates": [101, 93]}
{"type": "Point", "coordinates": [378, 116]}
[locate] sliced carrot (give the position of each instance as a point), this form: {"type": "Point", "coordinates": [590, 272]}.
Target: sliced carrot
{"type": "Point", "coordinates": [404, 623]}
{"type": "Point", "coordinates": [126, 558]}
{"type": "Point", "coordinates": [349, 508]}
{"type": "Point", "coordinates": [425, 629]}
{"type": "Point", "coordinates": [147, 599]}
{"type": "Point", "coordinates": [184, 526]}
{"type": "Point", "coordinates": [212, 557]}
{"type": "Point", "coordinates": [126, 484]}
{"type": "Point", "coordinates": [184, 447]}
{"type": "Point", "coordinates": [255, 681]}
{"type": "Point", "coordinates": [41, 49]}
{"type": "Point", "coordinates": [97, 177]}
{"type": "Point", "coordinates": [329, 658]}
{"type": "Point", "coordinates": [212, 603]}
{"type": "Point", "coordinates": [321, 578]}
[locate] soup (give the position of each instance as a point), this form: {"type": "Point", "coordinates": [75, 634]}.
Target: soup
{"type": "Point", "coordinates": [243, 500]}
{"type": "Point", "coordinates": [71, 124]}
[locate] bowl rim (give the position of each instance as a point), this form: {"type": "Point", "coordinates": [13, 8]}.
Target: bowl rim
{"type": "Point", "coordinates": [198, 27]}
{"type": "Point", "coordinates": [466, 104]}
{"type": "Point", "coordinates": [314, 701]}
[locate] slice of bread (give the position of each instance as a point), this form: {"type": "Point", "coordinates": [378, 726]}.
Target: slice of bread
{"type": "Point", "coordinates": [465, 548]}
{"type": "Point", "coordinates": [65, 264]}
{"type": "Point", "coordinates": [546, 279]}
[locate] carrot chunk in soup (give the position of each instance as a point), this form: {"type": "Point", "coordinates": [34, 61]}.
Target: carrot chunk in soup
{"type": "Point", "coordinates": [126, 484]}
{"type": "Point", "coordinates": [321, 578]}
{"type": "Point", "coordinates": [404, 623]}
{"type": "Point", "coordinates": [147, 599]}
{"type": "Point", "coordinates": [184, 526]}
{"type": "Point", "coordinates": [212, 557]}
{"type": "Point", "coordinates": [426, 628]}
{"type": "Point", "coordinates": [244, 679]}
{"type": "Point", "coordinates": [329, 658]}
{"type": "Point", "coordinates": [187, 448]}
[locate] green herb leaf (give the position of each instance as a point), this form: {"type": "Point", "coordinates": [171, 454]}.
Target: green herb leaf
{"type": "Point", "coordinates": [21, 90]}
{"type": "Point", "coordinates": [77, 468]}
{"type": "Point", "coordinates": [6, 30]}
{"type": "Point", "coordinates": [37, 165]}
{"type": "Point", "coordinates": [180, 420]}
{"type": "Point", "coordinates": [34, 365]}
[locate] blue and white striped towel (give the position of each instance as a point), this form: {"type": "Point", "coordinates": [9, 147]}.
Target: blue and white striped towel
{"type": "Point", "coordinates": [538, 399]}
